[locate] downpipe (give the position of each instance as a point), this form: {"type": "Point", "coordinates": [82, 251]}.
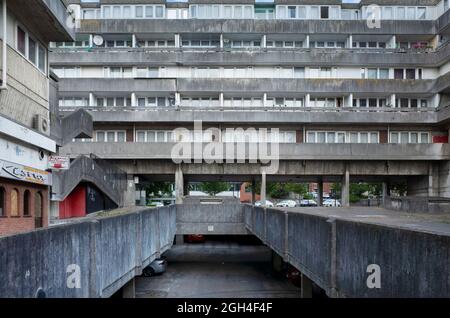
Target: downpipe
{"type": "Point", "coordinates": [4, 47]}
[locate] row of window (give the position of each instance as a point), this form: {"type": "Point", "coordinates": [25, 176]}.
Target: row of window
{"type": "Point", "coordinates": [240, 72]}
{"type": "Point", "coordinates": [364, 137]}
{"type": "Point", "coordinates": [242, 102]}
{"type": "Point", "coordinates": [31, 49]}
{"type": "Point", "coordinates": [29, 208]}
{"type": "Point", "coordinates": [228, 11]}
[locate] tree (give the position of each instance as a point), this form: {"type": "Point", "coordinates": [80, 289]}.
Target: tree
{"type": "Point", "coordinates": [158, 189]}
{"type": "Point", "coordinates": [212, 188]}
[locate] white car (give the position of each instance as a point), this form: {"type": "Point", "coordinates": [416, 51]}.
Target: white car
{"type": "Point", "coordinates": [308, 203]}
{"type": "Point", "coordinates": [331, 203]}
{"type": "Point", "coordinates": [287, 204]}
{"type": "Point", "coordinates": [268, 204]}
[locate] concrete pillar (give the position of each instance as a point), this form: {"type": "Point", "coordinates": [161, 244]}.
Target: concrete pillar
{"type": "Point", "coordinates": [264, 41]}
{"type": "Point", "coordinates": [143, 198]}
{"type": "Point", "coordinates": [433, 181]}
{"type": "Point", "coordinates": [307, 41]}
{"type": "Point", "coordinates": [436, 101]}
{"type": "Point", "coordinates": [221, 41]}
{"type": "Point", "coordinates": [133, 41]}
{"type": "Point", "coordinates": [320, 193]}
{"type": "Point", "coordinates": [385, 193]}
{"type": "Point", "coordinates": [392, 44]}
{"type": "Point", "coordinates": [92, 101]}
{"type": "Point", "coordinates": [393, 101]}
{"type": "Point", "coordinates": [350, 41]}
{"type": "Point", "coordinates": [130, 193]}
{"type": "Point", "coordinates": [177, 40]}
{"type": "Point", "coordinates": [221, 103]}
{"type": "Point", "coordinates": [179, 185]}
{"type": "Point", "coordinates": [91, 40]}
{"type": "Point", "coordinates": [179, 239]}
{"type": "Point", "coordinates": [263, 188]}
{"type": "Point", "coordinates": [129, 289]}
{"type": "Point", "coordinates": [306, 287]}
{"type": "Point", "coordinates": [345, 189]}
{"type": "Point", "coordinates": [265, 100]}
{"type": "Point", "coordinates": [133, 99]}
{"type": "Point", "coordinates": [253, 191]}
{"type": "Point", "coordinates": [177, 99]}
{"type": "Point", "coordinates": [307, 99]}
{"type": "Point", "coordinates": [277, 262]}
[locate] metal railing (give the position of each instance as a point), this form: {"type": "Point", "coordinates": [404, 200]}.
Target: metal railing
{"type": "Point", "coordinates": [253, 108]}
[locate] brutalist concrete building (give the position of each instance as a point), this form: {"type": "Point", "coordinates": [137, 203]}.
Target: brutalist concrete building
{"type": "Point", "coordinates": [358, 91]}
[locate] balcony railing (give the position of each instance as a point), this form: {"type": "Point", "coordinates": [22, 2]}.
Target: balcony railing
{"type": "Point", "coordinates": [253, 108]}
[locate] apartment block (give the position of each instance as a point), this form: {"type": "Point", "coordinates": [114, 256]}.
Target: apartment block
{"type": "Point", "coordinates": [27, 28]}
{"type": "Point", "coordinates": [356, 91]}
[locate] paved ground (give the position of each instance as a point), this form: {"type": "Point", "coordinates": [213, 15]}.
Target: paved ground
{"type": "Point", "coordinates": [430, 223]}
{"type": "Point", "coordinates": [216, 270]}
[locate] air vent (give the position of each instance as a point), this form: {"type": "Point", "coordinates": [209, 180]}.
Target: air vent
{"type": "Point", "coordinates": [40, 123]}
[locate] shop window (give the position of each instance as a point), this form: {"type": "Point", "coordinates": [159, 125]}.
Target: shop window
{"type": "Point", "coordinates": [2, 202]}
{"type": "Point", "coordinates": [27, 203]}
{"type": "Point", "coordinates": [15, 202]}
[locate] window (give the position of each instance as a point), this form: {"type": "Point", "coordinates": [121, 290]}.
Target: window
{"type": "Point", "coordinates": [292, 12]}
{"type": "Point", "coordinates": [26, 203]}
{"type": "Point", "coordinates": [324, 12]}
{"type": "Point", "coordinates": [32, 51]}
{"type": "Point", "coordinates": [21, 40]}
{"type": "Point", "coordinates": [384, 73]}
{"type": "Point", "coordinates": [398, 73]}
{"type": "Point", "coordinates": [410, 73]}
{"type": "Point", "coordinates": [421, 13]}
{"type": "Point", "coordinates": [159, 11]}
{"type": "Point", "coordinates": [2, 202]}
{"type": "Point", "coordinates": [15, 202]}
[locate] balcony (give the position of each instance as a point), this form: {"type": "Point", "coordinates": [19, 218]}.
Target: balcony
{"type": "Point", "coordinates": [47, 18]}
{"type": "Point", "coordinates": [362, 152]}
{"type": "Point", "coordinates": [274, 115]}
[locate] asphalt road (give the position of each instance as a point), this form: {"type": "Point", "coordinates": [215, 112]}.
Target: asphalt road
{"type": "Point", "coordinates": [217, 270]}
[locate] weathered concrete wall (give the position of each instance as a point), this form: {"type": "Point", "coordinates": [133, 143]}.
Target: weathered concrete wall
{"type": "Point", "coordinates": [108, 250]}
{"type": "Point", "coordinates": [226, 218]}
{"type": "Point", "coordinates": [335, 253]}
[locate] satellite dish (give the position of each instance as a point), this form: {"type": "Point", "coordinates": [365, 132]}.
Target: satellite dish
{"type": "Point", "coordinates": [98, 40]}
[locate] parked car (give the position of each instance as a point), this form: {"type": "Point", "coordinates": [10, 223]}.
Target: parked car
{"type": "Point", "coordinates": [268, 204]}
{"type": "Point", "coordinates": [308, 203]}
{"type": "Point", "coordinates": [194, 238]}
{"type": "Point", "coordinates": [287, 204]}
{"type": "Point", "coordinates": [156, 204]}
{"type": "Point", "coordinates": [331, 203]}
{"type": "Point", "coordinates": [157, 267]}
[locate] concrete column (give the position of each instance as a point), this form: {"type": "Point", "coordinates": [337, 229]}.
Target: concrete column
{"type": "Point", "coordinates": [307, 41]}
{"type": "Point", "coordinates": [393, 101]}
{"type": "Point", "coordinates": [349, 101]}
{"type": "Point", "coordinates": [307, 99]}
{"type": "Point", "coordinates": [265, 100]}
{"type": "Point", "coordinates": [306, 287]}
{"type": "Point", "coordinates": [177, 40]}
{"type": "Point", "coordinates": [392, 42]}
{"type": "Point", "coordinates": [385, 193]}
{"type": "Point", "coordinates": [177, 99]}
{"type": "Point", "coordinates": [436, 100]}
{"type": "Point", "coordinates": [143, 198]}
{"type": "Point", "coordinates": [345, 189]}
{"type": "Point", "coordinates": [253, 191]}
{"type": "Point", "coordinates": [133, 41]}
{"type": "Point", "coordinates": [433, 181]}
{"type": "Point", "coordinates": [221, 41]}
{"type": "Point", "coordinates": [130, 193]}
{"type": "Point", "coordinates": [263, 188]}
{"type": "Point", "coordinates": [320, 193]}
{"type": "Point", "coordinates": [277, 262]}
{"type": "Point", "coordinates": [350, 41]}
{"type": "Point", "coordinates": [129, 289]}
{"type": "Point", "coordinates": [91, 40]}
{"type": "Point", "coordinates": [221, 103]}
{"type": "Point", "coordinates": [264, 41]}
{"type": "Point", "coordinates": [179, 239]}
{"type": "Point", "coordinates": [92, 101]}
{"type": "Point", "coordinates": [133, 100]}
{"type": "Point", "coordinates": [179, 185]}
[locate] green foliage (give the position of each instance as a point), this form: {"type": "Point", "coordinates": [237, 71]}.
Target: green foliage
{"type": "Point", "coordinates": [158, 189]}
{"type": "Point", "coordinates": [359, 191]}
{"type": "Point", "coordinates": [212, 188]}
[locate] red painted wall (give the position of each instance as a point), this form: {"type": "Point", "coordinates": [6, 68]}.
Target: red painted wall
{"type": "Point", "coordinates": [74, 205]}
{"type": "Point", "coordinates": [440, 139]}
